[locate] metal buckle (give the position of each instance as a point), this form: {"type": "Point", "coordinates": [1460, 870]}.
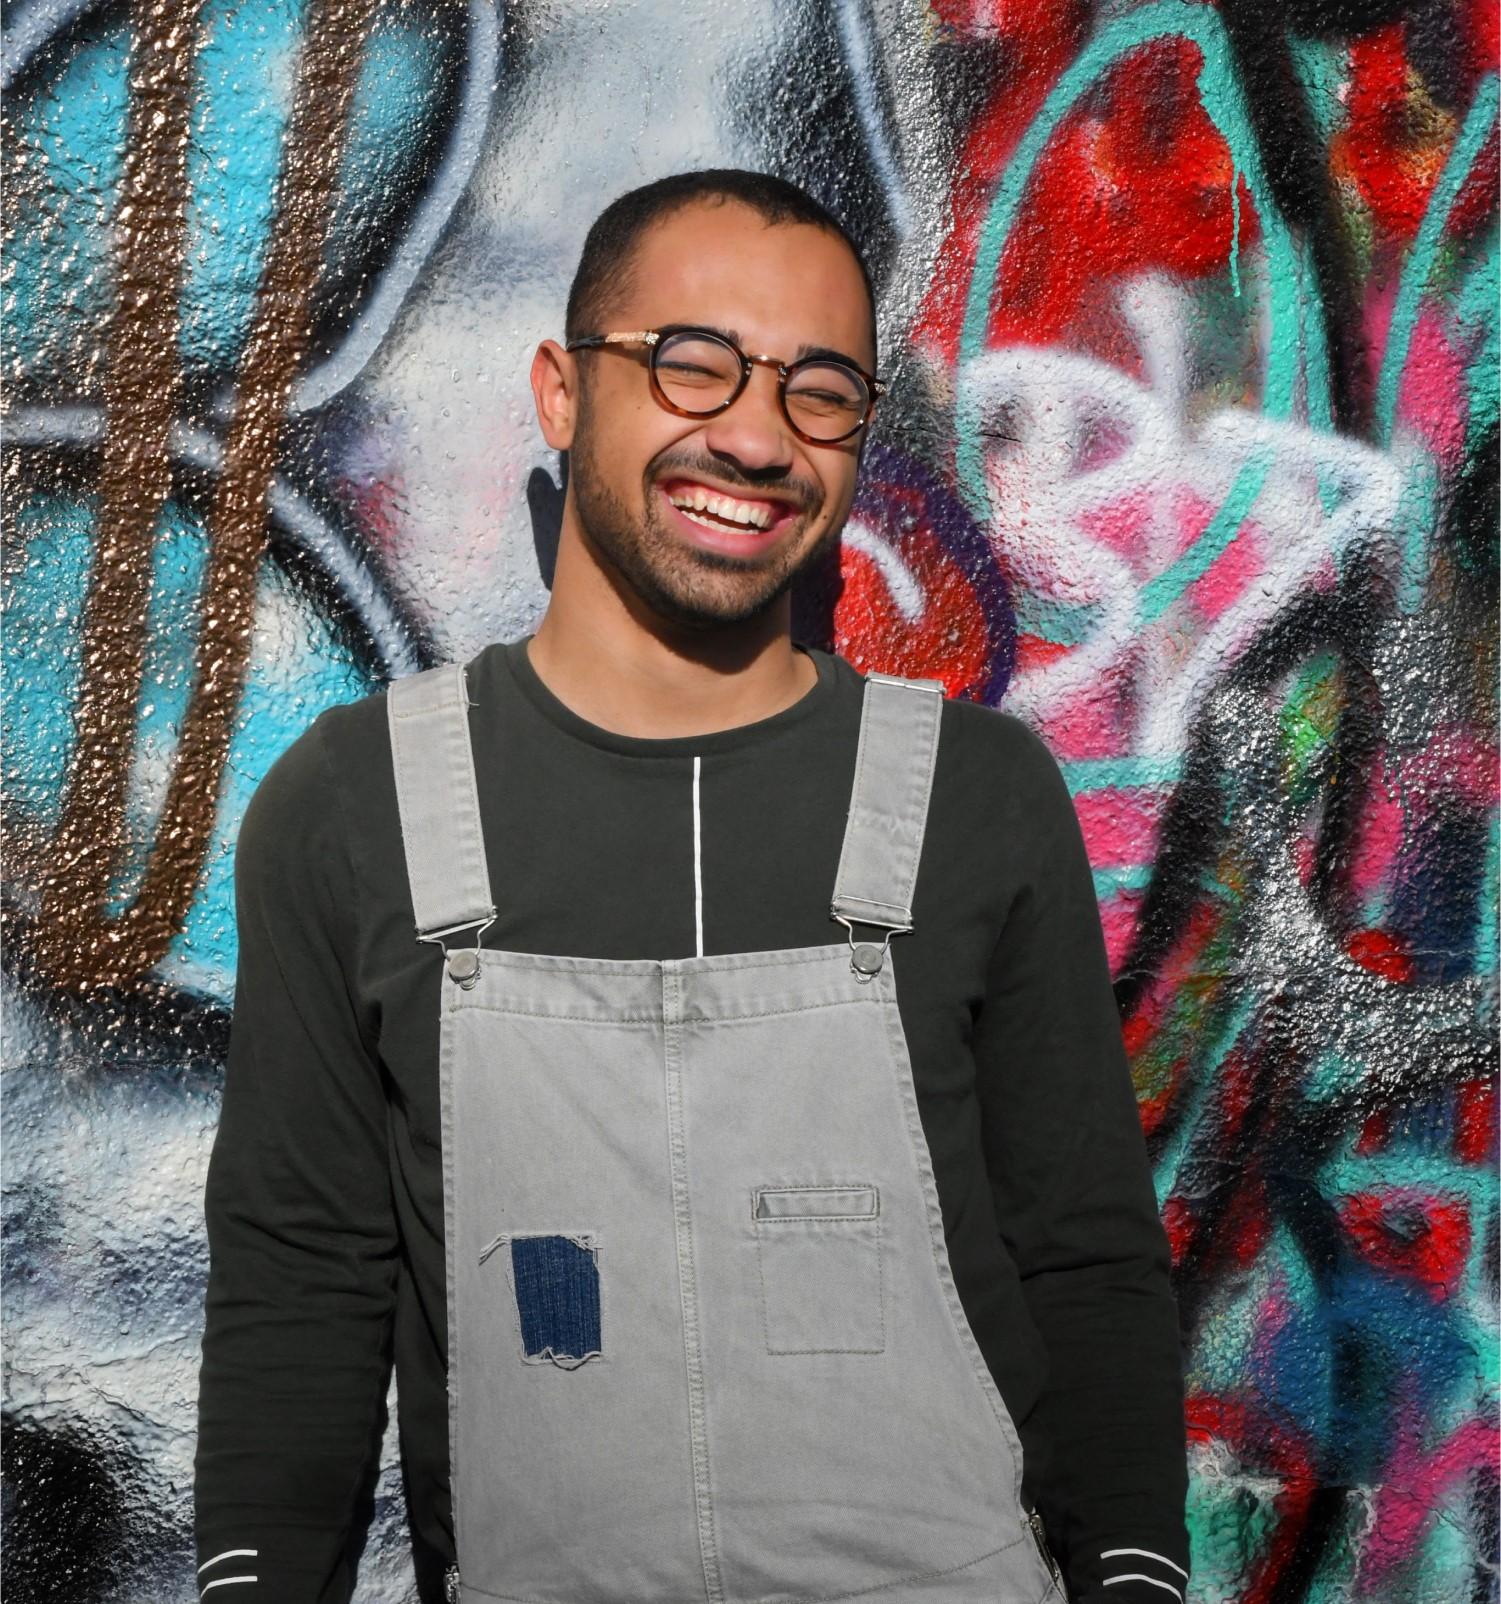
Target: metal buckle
{"type": "Point", "coordinates": [463, 963]}
{"type": "Point", "coordinates": [866, 958]}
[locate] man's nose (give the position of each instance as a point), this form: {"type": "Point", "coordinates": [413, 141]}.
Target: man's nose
{"type": "Point", "coordinates": [753, 430]}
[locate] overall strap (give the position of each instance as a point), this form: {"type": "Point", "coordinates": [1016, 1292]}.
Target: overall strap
{"type": "Point", "coordinates": [428, 714]}
{"type": "Point", "coordinates": [894, 764]}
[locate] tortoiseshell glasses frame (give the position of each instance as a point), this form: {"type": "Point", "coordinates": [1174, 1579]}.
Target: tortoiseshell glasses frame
{"type": "Point", "coordinates": [852, 393]}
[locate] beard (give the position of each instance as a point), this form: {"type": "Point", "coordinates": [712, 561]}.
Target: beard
{"type": "Point", "coordinates": [685, 585]}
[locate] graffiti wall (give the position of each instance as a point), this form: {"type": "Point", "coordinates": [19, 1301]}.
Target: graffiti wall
{"type": "Point", "coordinates": [1190, 461]}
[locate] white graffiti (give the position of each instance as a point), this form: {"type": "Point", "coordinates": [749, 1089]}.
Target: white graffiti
{"type": "Point", "coordinates": [1101, 486]}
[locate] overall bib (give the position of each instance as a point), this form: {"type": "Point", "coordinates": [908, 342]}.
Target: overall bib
{"type": "Point", "coordinates": [704, 1343]}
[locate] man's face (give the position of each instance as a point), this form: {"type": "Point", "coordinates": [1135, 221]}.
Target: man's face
{"type": "Point", "coordinates": [639, 474]}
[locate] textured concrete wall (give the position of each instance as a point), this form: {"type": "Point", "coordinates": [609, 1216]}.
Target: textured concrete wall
{"type": "Point", "coordinates": [1190, 461]}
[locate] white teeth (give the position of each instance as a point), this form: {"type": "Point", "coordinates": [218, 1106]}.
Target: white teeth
{"type": "Point", "coordinates": [723, 507]}
{"type": "Point", "coordinates": [703, 523]}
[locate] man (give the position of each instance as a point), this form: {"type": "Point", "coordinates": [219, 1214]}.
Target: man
{"type": "Point", "coordinates": [696, 1063]}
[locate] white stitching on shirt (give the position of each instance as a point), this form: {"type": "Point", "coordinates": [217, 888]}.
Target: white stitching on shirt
{"type": "Point", "coordinates": [229, 1553]}
{"type": "Point", "coordinates": [1147, 1553]}
{"type": "Point", "coordinates": [1110, 1581]}
{"type": "Point", "coordinates": [698, 864]}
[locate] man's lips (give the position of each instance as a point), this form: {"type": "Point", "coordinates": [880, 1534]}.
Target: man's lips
{"type": "Point", "coordinates": [725, 520]}
{"type": "Point", "coordinates": [725, 506]}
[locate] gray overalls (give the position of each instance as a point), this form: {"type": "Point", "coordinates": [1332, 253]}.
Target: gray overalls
{"type": "Point", "coordinates": [704, 1343]}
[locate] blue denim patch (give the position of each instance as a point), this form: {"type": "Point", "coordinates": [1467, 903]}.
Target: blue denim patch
{"type": "Point", "coordinates": [557, 1297]}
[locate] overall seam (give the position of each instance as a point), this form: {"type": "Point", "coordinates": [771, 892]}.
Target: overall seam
{"type": "Point", "coordinates": [905, 1581]}
{"type": "Point", "coordinates": [901, 1065]}
{"type": "Point", "coordinates": [913, 787]}
{"type": "Point", "coordinates": [473, 867]}
{"type": "Point", "coordinates": [919, 792]}
{"type": "Point", "coordinates": [399, 767]}
{"type": "Point", "coordinates": [572, 1019]}
{"type": "Point", "coordinates": [816, 1598]}
{"type": "Point", "coordinates": [687, 1285]}
{"type": "Point", "coordinates": [857, 793]}
{"type": "Point", "coordinates": [648, 968]}
{"type": "Point", "coordinates": [698, 1023]}
{"type": "Point", "coordinates": [450, 1252]}
{"type": "Point", "coordinates": [463, 826]}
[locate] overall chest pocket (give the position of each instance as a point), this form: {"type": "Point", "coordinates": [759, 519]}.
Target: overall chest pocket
{"type": "Point", "coordinates": [819, 1251]}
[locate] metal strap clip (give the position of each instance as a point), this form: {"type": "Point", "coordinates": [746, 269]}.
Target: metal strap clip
{"type": "Point", "coordinates": [463, 962]}
{"type": "Point", "coordinates": [867, 957]}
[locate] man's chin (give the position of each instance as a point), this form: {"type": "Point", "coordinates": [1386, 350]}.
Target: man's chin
{"type": "Point", "coordinates": [704, 589]}
{"type": "Point", "coordinates": [696, 588]}
{"type": "Point", "coordinates": [702, 613]}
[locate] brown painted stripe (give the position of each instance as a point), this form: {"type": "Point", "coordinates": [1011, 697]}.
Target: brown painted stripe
{"type": "Point", "coordinates": [142, 386]}
{"type": "Point", "coordinates": [119, 951]}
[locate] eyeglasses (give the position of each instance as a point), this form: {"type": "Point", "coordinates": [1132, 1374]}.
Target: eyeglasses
{"type": "Point", "coordinates": [697, 373]}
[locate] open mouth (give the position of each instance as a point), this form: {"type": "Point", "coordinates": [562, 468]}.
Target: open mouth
{"type": "Point", "coordinates": [725, 521]}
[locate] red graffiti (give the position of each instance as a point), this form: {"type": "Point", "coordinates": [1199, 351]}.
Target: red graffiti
{"type": "Point", "coordinates": [1382, 953]}
{"type": "Point", "coordinates": [947, 639]}
{"type": "Point", "coordinates": [1397, 138]}
{"type": "Point", "coordinates": [1475, 1110]}
{"type": "Point", "coordinates": [1375, 1133]}
{"type": "Point", "coordinates": [1426, 1239]}
{"type": "Point", "coordinates": [1137, 149]}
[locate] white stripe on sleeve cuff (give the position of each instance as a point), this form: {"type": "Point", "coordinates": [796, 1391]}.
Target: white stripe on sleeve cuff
{"type": "Point", "coordinates": [229, 1553]}
{"type": "Point", "coordinates": [1137, 1576]}
{"type": "Point", "coordinates": [1146, 1553]}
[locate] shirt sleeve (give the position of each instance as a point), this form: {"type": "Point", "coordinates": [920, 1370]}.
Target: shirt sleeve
{"type": "Point", "coordinates": [301, 1230]}
{"type": "Point", "coordinates": [1104, 1446]}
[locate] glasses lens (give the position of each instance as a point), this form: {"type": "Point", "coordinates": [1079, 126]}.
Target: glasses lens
{"type": "Point", "coordinates": [827, 400]}
{"type": "Point", "coordinates": [697, 372]}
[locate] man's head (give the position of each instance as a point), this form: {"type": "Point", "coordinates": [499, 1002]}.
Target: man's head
{"type": "Point", "coordinates": [707, 520]}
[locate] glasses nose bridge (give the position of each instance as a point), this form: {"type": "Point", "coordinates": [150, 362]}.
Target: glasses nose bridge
{"type": "Point", "coordinates": [768, 362]}
{"type": "Point", "coordinates": [753, 360]}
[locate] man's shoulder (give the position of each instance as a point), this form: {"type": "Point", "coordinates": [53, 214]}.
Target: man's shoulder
{"type": "Point", "coordinates": [301, 796]}
{"type": "Point", "coordinates": [999, 766]}
{"type": "Point", "coordinates": [981, 744]}
{"type": "Point", "coordinates": [995, 733]}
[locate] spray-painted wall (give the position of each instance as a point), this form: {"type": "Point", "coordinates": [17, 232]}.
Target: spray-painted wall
{"type": "Point", "coordinates": [1190, 460]}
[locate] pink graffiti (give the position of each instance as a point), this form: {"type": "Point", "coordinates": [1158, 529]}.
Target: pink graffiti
{"type": "Point", "coordinates": [1414, 1486]}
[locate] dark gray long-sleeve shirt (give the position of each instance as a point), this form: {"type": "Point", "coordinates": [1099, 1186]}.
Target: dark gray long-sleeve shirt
{"type": "Point", "coordinates": [324, 1200]}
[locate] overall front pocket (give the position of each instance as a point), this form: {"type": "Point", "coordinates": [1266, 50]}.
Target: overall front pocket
{"type": "Point", "coordinates": [819, 1249]}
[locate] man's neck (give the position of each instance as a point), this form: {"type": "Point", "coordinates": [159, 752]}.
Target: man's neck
{"type": "Point", "coordinates": [634, 681]}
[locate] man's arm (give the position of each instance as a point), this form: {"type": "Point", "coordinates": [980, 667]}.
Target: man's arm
{"type": "Point", "coordinates": [302, 1239]}
{"type": "Point", "coordinates": [1069, 1172]}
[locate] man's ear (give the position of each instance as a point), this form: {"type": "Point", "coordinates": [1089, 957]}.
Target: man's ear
{"type": "Point", "coordinates": [555, 381]}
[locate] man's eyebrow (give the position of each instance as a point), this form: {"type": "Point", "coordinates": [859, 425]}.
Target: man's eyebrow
{"type": "Point", "coordinates": [827, 352]}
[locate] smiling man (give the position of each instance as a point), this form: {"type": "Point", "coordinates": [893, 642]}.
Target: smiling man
{"type": "Point", "coordinates": [693, 1061]}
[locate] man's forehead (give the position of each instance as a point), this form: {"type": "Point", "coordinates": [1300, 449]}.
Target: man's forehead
{"type": "Point", "coordinates": [726, 268]}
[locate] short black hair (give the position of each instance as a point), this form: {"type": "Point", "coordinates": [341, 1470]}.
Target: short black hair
{"type": "Point", "coordinates": [603, 272]}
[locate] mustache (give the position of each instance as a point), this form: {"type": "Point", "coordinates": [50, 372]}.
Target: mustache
{"type": "Point", "coordinates": [803, 495]}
